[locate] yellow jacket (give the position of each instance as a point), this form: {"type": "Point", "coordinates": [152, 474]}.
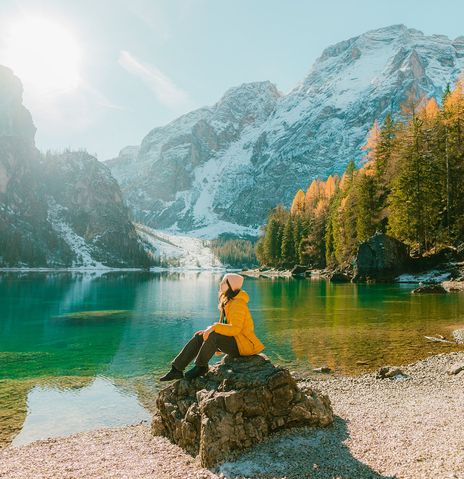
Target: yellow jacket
{"type": "Point", "coordinates": [240, 325]}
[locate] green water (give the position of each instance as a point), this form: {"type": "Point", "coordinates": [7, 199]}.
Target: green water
{"type": "Point", "coordinates": [80, 351]}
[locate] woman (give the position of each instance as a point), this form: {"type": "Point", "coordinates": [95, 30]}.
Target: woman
{"type": "Point", "coordinates": [233, 334]}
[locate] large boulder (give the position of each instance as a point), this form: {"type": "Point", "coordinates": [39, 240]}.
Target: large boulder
{"type": "Point", "coordinates": [381, 258]}
{"type": "Point", "coordinates": [238, 403]}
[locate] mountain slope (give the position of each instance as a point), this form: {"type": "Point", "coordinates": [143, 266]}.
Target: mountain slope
{"type": "Point", "coordinates": [230, 163]}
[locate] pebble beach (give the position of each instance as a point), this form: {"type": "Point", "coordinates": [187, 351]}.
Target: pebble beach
{"type": "Point", "coordinates": [411, 426]}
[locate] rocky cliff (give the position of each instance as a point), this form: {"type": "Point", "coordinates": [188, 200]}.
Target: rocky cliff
{"type": "Point", "coordinates": [56, 210]}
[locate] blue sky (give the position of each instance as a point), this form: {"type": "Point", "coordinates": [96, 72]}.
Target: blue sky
{"type": "Point", "coordinates": [142, 63]}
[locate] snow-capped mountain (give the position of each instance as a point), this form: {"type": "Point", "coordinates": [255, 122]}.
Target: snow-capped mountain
{"type": "Point", "coordinates": [221, 168]}
{"type": "Point", "coordinates": [63, 210]}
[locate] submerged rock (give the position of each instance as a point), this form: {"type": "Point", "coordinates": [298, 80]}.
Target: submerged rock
{"type": "Point", "coordinates": [238, 403]}
{"type": "Point", "coordinates": [429, 288]}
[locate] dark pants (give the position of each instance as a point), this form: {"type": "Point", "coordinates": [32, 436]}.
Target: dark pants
{"type": "Point", "coordinates": [204, 350]}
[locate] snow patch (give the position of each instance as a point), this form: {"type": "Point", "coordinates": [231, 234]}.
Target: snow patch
{"type": "Point", "coordinates": [78, 245]}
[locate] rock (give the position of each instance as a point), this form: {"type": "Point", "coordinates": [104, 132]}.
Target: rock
{"type": "Point", "coordinates": [446, 256]}
{"type": "Point", "coordinates": [238, 403]}
{"type": "Point", "coordinates": [299, 270]}
{"type": "Point", "coordinates": [457, 285]}
{"type": "Point", "coordinates": [456, 369]}
{"type": "Point", "coordinates": [430, 288]}
{"type": "Point", "coordinates": [438, 339]}
{"type": "Point", "coordinates": [381, 257]}
{"type": "Point", "coordinates": [323, 369]}
{"type": "Point", "coordinates": [339, 277]}
{"type": "Point", "coordinates": [458, 335]}
{"type": "Point", "coordinates": [390, 372]}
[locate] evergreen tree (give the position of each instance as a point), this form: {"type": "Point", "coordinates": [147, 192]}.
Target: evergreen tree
{"type": "Point", "coordinates": [288, 242]}
{"type": "Point", "coordinates": [271, 246]}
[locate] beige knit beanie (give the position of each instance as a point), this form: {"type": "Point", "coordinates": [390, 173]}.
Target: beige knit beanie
{"type": "Point", "coordinates": [235, 280]}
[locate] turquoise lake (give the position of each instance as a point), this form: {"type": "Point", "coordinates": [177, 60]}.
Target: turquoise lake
{"type": "Point", "coordinates": [79, 351]}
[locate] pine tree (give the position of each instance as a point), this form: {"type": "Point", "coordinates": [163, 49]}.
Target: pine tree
{"type": "Point", "coordinates": [297, 236]}
{"type": "Point", "coordinates": [271, 246]}
{"type": "Point", "coordinates": [288, 243]}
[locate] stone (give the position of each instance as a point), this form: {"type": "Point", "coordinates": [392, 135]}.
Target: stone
{"type": "Point", "coordinates": [299, 270]}
{"type": "Point", "coordinates": [238, 403]}
{"type": "Point", "coordinates": [437, 339]}
{"type": "Point", "coordinates": [381, 257]}
{"type": "Point", "coordinates": [430, 288]}
{"type": "Point", "coordinates": [456, 369]}
{"type": "Point", "coordinates": [339, 277]}
{"type": "Point", "coordinates": [323, 369]}
{"type": "Point", "coordinates": [390, 372]}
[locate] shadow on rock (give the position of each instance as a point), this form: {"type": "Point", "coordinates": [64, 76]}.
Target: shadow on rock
{"type": "Point", "coordinates": [302, 453]}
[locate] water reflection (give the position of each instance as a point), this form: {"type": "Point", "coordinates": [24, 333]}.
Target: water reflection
{"type": "Point", "coordinates": [100, 404]}
{"type": "Point", "coordinates": [60, 331]}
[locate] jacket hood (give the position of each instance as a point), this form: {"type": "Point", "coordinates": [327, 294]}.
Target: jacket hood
{"type": "Point", "coordinates": [243, 295]}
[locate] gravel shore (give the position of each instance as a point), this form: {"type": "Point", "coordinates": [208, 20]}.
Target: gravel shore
{"type": "Point", "coordinates": [384, 428]}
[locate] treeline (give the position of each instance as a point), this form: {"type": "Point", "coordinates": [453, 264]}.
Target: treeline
{"type": "Point", "coordinates": [410, 186]}
{"type": "Point", "coordinates": [235, 252]}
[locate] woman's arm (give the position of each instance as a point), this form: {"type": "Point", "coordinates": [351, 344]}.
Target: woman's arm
{"type": "Point", "coordinates": [236, 317]}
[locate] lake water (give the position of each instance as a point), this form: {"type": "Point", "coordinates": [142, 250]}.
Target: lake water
{"type": "Point", "coordinates": [79, 351]}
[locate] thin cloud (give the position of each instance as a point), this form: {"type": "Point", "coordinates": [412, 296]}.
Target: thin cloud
{"type": "Point", "coordinates": [167, 92]}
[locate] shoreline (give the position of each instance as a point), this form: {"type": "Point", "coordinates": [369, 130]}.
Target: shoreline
{"type": "Point", "coordinates": [383, 428]}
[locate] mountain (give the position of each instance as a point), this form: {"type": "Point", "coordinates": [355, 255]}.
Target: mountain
{"type": "Point", "coordinates": [57, 210]}
{"type": "Point", "coordinates": [221, 168]}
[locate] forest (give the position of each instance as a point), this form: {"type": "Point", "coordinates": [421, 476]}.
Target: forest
{"type": "Point", "coordinates": [409, 185]}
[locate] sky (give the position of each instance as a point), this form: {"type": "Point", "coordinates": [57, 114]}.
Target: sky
{"type": "Point", "coordinates": [100, 74]}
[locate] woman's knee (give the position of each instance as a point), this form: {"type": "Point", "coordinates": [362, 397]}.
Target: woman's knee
{"type": "Point", "coordinates": [198, 337]}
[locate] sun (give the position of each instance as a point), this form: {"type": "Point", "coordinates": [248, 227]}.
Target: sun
{"type": "Point", "coordinates": [43, 53]}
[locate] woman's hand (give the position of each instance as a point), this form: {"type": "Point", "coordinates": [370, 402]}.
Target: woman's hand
{"type": "Point", "coordinates": [200, 332]}
{"type": "Point", "coordinates": [206, 332]}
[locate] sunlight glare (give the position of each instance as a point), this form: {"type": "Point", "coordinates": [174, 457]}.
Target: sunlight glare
{"type": "Point", "coordinates": [43, 54]}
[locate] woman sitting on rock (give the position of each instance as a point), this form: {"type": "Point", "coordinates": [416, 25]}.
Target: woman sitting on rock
{"type": "Point", "coordinates": [233, 334]}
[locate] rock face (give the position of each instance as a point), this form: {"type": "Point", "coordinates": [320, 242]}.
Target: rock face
{"type": "Point", "coordinates": [237, 404]}
{"type": "Point", "coordinates": [381, 257]}
{"type": "Point", "coordinates": [210, 166]}
{"type": "Point", "coordinates": [57, 210]}
{"type": "Point", "coordinates": [86, 209]}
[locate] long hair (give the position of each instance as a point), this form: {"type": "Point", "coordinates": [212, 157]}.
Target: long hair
{"type": "Point", "coordinates": [225, 297]}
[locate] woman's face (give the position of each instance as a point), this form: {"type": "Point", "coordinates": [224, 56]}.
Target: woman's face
{"type": "Point", "coordinates": [223, 286]}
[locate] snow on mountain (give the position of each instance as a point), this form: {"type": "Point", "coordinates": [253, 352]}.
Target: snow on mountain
{"type": "Point", "coordinates": [221, 168]}
{"type": "Point", "coordinates": [185, 252]}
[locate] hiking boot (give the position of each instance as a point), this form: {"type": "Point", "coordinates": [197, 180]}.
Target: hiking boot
{"type": "Point", "coordinates": [196, 371]}
{"type": "Point", "coordinates": [172, 374]}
